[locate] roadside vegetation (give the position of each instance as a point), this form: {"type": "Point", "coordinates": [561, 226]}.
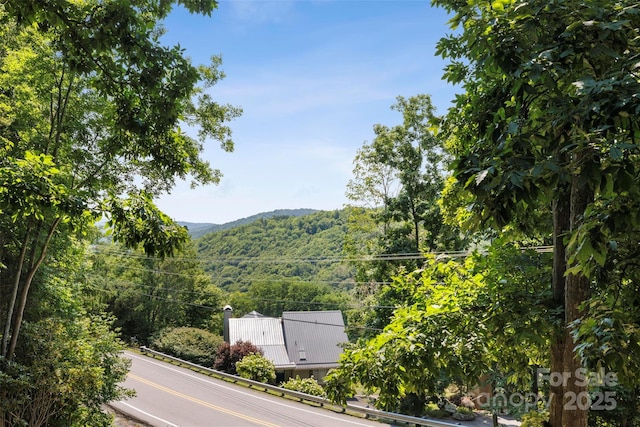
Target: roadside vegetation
{"type": "Point", "coordinates": [257, 368]}
{"type": "Point", "coordinates": [191, 344]}
{"type": "Point", "coordinates": [304, 385]}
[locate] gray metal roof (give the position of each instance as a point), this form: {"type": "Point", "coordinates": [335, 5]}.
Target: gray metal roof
{"type": "Point", "coordinates": [265, 333]}
{"type": "Point", "coordinates": [313, 338]}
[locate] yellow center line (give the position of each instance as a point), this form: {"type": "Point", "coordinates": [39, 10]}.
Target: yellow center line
{"type": "Point", "coordinates": [202, 402]}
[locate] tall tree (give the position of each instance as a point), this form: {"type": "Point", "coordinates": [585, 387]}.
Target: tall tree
{"type": "Point", "coordinates": [92, 103]}
{"type": "Point", "coordinates": [549, 120]}
{"type": "Point", "coordinates": [398, 179]}
{"type": "Point", "coordinates": [401, 172]}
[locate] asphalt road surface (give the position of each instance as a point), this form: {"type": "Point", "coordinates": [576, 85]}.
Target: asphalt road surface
{"type": "Point", "coordinates": [170, 396]}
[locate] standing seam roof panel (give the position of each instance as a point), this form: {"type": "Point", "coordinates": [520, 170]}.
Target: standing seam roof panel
{"type": "Point", "coordinates": [314, 334]}
{"type": "Point", "coordinates": [264, 332]}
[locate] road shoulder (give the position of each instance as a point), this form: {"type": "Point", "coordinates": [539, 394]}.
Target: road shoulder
{"type": "Point", "coordinates": [122, 419]}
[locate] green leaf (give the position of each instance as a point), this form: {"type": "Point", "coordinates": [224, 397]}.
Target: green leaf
{"type": "Point", "coordinates": [615, 152]}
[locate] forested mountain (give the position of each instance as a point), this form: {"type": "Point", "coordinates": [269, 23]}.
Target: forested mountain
{"type": "Point", "coordinates": [278, 248]}
{"type": "Point", "coordinates": [271, 265]}
{"type": "Point", "coordinates": [197, 229]}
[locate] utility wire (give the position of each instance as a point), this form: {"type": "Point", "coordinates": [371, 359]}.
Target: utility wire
{"type": "Point", "coordinates": [332, 259]}
{"type": "Point", "coordinates": [157, 297]}
{"type": "Point", "coordinates": [382, 257]}
{"type": "Point", "coordinates": [265, 280]}
{"type": "Point", "coordinates": [122, 285]}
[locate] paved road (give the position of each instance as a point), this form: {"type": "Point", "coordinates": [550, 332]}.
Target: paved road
{"type": "Point", "coordinates": [170, 396]}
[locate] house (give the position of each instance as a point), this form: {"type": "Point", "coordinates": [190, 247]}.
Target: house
{"type": "Point", "coordinates": [313, 340]}
{"type": "Point", "coordinates": [303, 343]}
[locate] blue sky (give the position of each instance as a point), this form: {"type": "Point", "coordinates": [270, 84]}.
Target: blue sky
{"type": "Point", "coordinates": [312, 77]}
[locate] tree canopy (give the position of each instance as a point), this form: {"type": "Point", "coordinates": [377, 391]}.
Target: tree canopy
{"type": "Point", "coordinates": [397, 181]}
{"type": "Point", "coordinates": [91, 128]}
{"type": "Point", "coordinates": [305, 248]}
{"type": "Point", "coordinates": [456, 320]}
{"type": "Point", "coordinates": [548, 121]}
{"type": "Point", "coordinates": [92, 104]}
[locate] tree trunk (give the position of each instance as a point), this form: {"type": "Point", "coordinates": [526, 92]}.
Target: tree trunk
{"type": "Point", "coordinates": [576, 399]}
{"type": "Point", "coordinates": [569, 400]}
{"type": "Point", "coordinates": [576, 408]}
{"type": "Point", "coordinates": [14, 294]}
{"type": "Point", "coordinates": [17, 323]}
{"type": "Point", "coordinates": [561, 223]}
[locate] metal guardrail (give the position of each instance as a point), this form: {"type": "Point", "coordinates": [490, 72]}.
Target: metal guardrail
{"type": "Point", "coordinates": [366, 412]}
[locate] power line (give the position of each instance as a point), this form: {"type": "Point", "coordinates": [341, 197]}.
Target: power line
{"type": "Point", "coordinates": [217, 309]}
{"type": "Point", "coordinates": [271, 260]}
{"type": "Point", "coordinates": [382, 257]}
{"type": "Point", "coordinates": [264, 280]}
{"type": "Point", "coordinates": [332, 259]}
{"type": "Point", "coordinates": [122, 285]}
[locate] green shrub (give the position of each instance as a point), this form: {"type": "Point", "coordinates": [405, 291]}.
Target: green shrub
{"type": "Point", "coordinates": [64, 371]}
{"type": "Point", "coordinates": [534, 419]}
{"type": "Point", "coordinates": [256, 367]}
{"type": "Point", "coordinates": [338, 387]}
{"type": "Point", "coordinates": [463, 414]}
{"type": "Point", "coordinates": [304, 385]}
{"type": "Point", "coordinates": [190, 344]}
{"type": "Point", "coordinates": [432, 410]}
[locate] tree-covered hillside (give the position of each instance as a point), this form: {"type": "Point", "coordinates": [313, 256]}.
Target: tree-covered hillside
{"type": "Point", "coordinates": [282, 247]}
{"type": "Point", "coordinates": [200, 229]}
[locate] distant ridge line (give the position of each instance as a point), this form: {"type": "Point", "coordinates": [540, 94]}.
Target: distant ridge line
{"type": "Point", "coordinates": [198, 229]}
